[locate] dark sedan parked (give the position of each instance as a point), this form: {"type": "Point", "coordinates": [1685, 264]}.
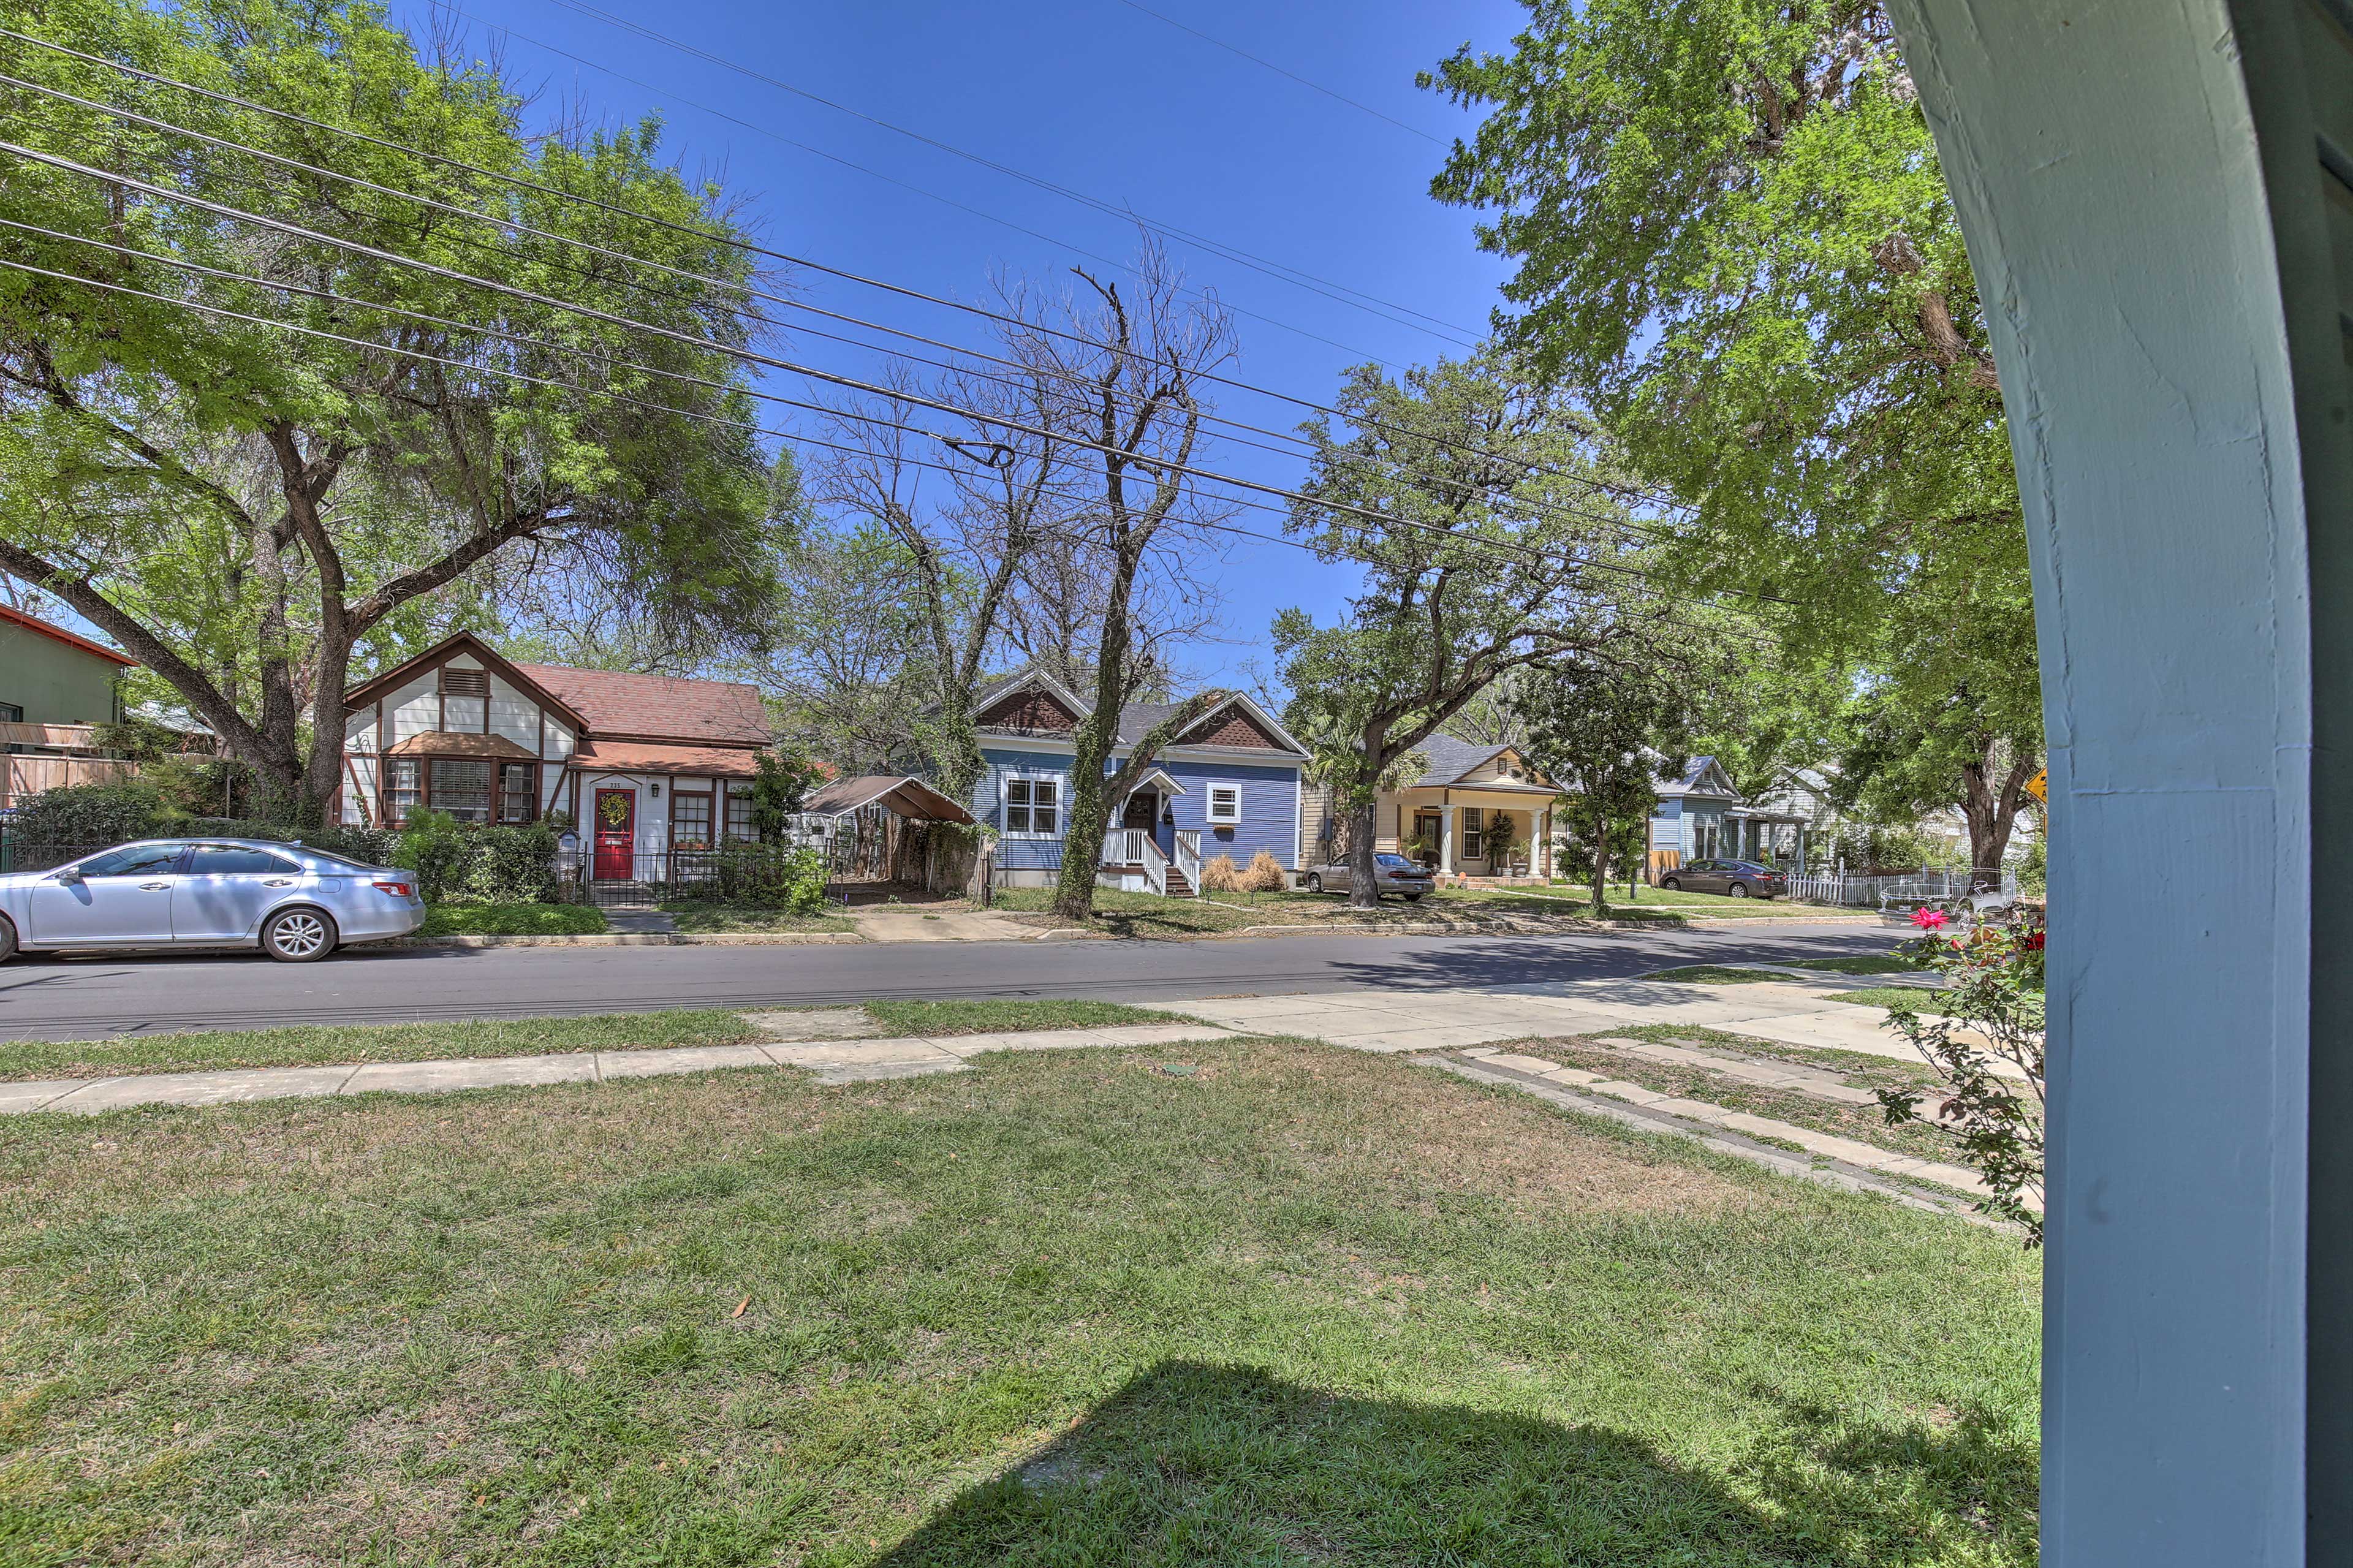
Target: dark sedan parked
{"type": "Point", "coordinates": [1738, 879]}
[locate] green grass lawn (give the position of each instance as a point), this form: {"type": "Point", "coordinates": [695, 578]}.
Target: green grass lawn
{"type": "Point", "coordinates": [990, 1017]}
{"type": "Point", "coordinates": [1142, 914]}
{"type": "Point", "coordinates": [314, 1044]}
{"type": "Point", "coordinates": [1713, 974]}
{"type": "Point", "coordinates": [1869, 964]}
{"type": "Point", "coordinates": [513, 920]}
{"type": "Point", "coordinates": [1913, 996]}
{"type": "Point", "coordinates": [706, 916]}
{"type": "Point", "coordinates": [1302, 1306]}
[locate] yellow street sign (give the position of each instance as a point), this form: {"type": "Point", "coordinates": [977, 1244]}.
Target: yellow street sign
{"type": "Point", "coordinates": [2039, 787]}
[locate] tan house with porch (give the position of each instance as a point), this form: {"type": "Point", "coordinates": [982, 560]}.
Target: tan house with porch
{"type": "Point", "coordinates": [644, 765]}
{"type": "Point", "coordinates": [1451, 816]}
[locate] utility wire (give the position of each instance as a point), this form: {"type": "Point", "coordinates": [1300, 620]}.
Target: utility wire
{"type": "Point", "coordinates": [516, 225]}
{"type": "Point", "coordinates": [1523, 554]}
{"type": "Point", "coordinates": [520, 182]}
{"type": "Point", "coordinates": [1157, 465]}
{"type": "Point", "coordinates": [1462, 337]}
{"type": "Point", "coordinates": [1473, 544]}
{"type": "Point", "coordinates": [1279, 71]}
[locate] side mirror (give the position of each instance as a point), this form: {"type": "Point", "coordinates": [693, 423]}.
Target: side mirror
{"type": "Point", "coordinates": [66, 876]}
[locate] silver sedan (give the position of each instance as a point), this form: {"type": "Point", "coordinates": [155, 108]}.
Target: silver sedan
{"type": "Point", "coordinates": [296, 904]}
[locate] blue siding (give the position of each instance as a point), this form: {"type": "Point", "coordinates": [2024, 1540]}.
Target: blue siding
{"type": "Point", "coordinates": [1269, 808]}
{"type": "Point", "coordinates": [989, 797]}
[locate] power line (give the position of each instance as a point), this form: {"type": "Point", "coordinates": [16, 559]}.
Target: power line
{"type": "Point", "coordinates": [1142, 459]}
{"type": "Point", "coordinates": [749, 247]}
{"type": "Point", "coordinates": [516, 225]}
{"type": "Point", "coordinates": [1279, 71]}
{"type": "Point", "coordinates": [1473, 544]}
{"type": "Point", "coordinates": [1462, 337]}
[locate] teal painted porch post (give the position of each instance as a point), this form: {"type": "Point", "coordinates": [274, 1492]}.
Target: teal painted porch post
{"type": "Point", "coordinates": [2145, 189]}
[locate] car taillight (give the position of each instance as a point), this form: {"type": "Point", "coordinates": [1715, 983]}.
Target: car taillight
{"type": "Point", "coordinates": [397, 889]}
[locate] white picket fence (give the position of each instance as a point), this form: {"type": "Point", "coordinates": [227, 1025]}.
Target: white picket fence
{"type": "Point", "coordinates": [1882, 892]}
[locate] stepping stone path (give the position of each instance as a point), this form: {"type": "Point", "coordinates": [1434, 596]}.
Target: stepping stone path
{"type": "Point", "coordinates": [1845, 1150]}
{"type": "Point", "coordinates": [837, 1044]}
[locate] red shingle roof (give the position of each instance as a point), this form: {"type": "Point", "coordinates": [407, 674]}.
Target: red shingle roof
{"type": "Point", "coordinates": [650, 757]}
{"type": "Point", "coordinates": [656, 706]}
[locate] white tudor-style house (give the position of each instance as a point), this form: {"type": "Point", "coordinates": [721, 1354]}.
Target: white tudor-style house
{"type": "Point", "coordinates": [1229, 785]}
{"type": "Point", "coordinates": [642, 763]}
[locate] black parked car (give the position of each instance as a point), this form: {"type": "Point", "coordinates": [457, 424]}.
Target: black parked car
{"type": "Point", "coordinates": [1740, 878]}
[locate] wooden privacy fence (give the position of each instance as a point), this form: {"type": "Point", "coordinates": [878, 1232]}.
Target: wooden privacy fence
{"type": "Point", "coordinates": [25, 775]}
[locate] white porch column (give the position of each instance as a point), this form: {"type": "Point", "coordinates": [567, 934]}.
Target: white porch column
{"type": "Point", "coordinates": [2145, 191]}
{"type": "Point", "coordinates": [1445, 834]}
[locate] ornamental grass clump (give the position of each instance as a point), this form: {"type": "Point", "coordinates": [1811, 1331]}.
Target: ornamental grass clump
{"type": "Point", "coordinates": [1990, 1010]}
{"type": "Point", "coordinates": [1220, 875]}
{"type": "Point", "coordinates": [1263, 875]}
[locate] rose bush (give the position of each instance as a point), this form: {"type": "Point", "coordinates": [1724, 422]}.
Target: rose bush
{"type": "Point", "coordinates": [1990, 1012]}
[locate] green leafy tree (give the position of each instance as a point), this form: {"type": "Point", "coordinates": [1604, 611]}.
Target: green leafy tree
{"type": "Point", "coordinates": [1605, 730]}
{"type": "Point", "coordinates": [781, 782]}
{"type": "Point", "coordinates": [250, 512]}
{"type": "Point", "coordinates": [1731, 228]}
{"type": "Point", "coordinates": [1475, 505]}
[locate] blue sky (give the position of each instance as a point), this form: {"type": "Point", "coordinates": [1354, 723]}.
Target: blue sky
{"type": "Point", "coordinates": [1095, 95]}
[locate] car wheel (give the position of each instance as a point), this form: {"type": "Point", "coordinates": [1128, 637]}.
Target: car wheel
{"type": "Point", "coordinates": [7, 940]}
{"type": "Point", "coordinates": [297, 936]}
{"type": "Point", "coordinates": [1671, 885]}
{"type": "Point", "coordinates": [1738, 889]}
{"type": "Point", "coordinates": [1314, 883]}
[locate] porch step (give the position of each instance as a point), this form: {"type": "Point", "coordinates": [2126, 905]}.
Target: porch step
{"type": "Point", "coordinates": [1178, 887]}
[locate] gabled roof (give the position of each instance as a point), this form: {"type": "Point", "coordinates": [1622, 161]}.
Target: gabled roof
{"type": "Point", "coordinates": [1135, 720]}
{"type": "Point", "coordinates": [657, 707]}
{"type": "Point", "coordinates": [58, 634]}
{"type": "Point", "coordinates": [1451, 759]}
{"type": "Point", "coordinates": [1704, 776]}
{"type": "Point", "coordinates": [375, 685]}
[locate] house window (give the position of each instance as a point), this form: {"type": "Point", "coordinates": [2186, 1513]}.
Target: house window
{"type": "Point", "coordinates": [1225, 806]}
{"type": "Point", "coordinates": [1475, 835]}
{"type": "Point", "coordinates": [739, 816]}
{"type": "Point", "coordinates": [404, 787]}
{"type": "Point", "coordinates": [461, 787]}
{"type": "Point", "coordinates": [689, 821]}
{"type": "Point", "coordinates": [12, 714]}
{"type": "Point", "coordinates": [518, 792]}
{"type": "Point", "coordinates": [1032, 805]}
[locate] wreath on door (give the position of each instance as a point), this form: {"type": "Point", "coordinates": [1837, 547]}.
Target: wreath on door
{"type": "Point", "coordinates": [614, 809]}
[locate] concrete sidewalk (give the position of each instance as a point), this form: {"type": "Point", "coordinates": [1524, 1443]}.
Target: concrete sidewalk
{"type": "Point", "coordinates": [1452, 1020]}
{"type": "Point", "coordinates": [838, 1060]}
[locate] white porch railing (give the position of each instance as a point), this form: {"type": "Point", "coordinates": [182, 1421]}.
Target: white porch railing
{"type": "Point", "coordinates": [1124, 846]}
{"type": "Point", "coordinates": [1879, 893]}
{"type": "Point", "coordinates": [1189, 858]}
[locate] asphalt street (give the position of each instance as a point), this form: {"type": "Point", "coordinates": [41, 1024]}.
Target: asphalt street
{"type": "Point", "coordinates": [50, 998]}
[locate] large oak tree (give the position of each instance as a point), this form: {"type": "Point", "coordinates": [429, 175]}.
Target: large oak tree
{"type": "Point", "coordinates": [244, 508]}
{"type": "Point", "coordinates": [1731, 229]}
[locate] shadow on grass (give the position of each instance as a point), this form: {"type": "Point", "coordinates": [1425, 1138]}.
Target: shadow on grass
{"type": "Point", "coordinates": [1200, 1464]}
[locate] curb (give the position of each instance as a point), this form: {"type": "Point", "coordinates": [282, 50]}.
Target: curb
{"type": "Point", "coordinates": [607, 939]}
{"type": "Point", "coordinates": [762, 939]}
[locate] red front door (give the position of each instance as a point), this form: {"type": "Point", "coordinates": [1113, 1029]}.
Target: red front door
{"type": "Point", "coordinates": [617, 832]}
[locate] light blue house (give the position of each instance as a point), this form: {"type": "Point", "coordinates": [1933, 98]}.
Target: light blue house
{"type": "Point", "coordinates": [1229, 786]}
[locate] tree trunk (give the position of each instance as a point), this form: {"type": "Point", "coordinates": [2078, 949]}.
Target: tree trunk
{"type": "Point", "coordinates": [1991, 810]}
{"type": "Point", "coordinates": [1602, 868]}
{"type": "Point", "coordinates": [1363, 869]}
